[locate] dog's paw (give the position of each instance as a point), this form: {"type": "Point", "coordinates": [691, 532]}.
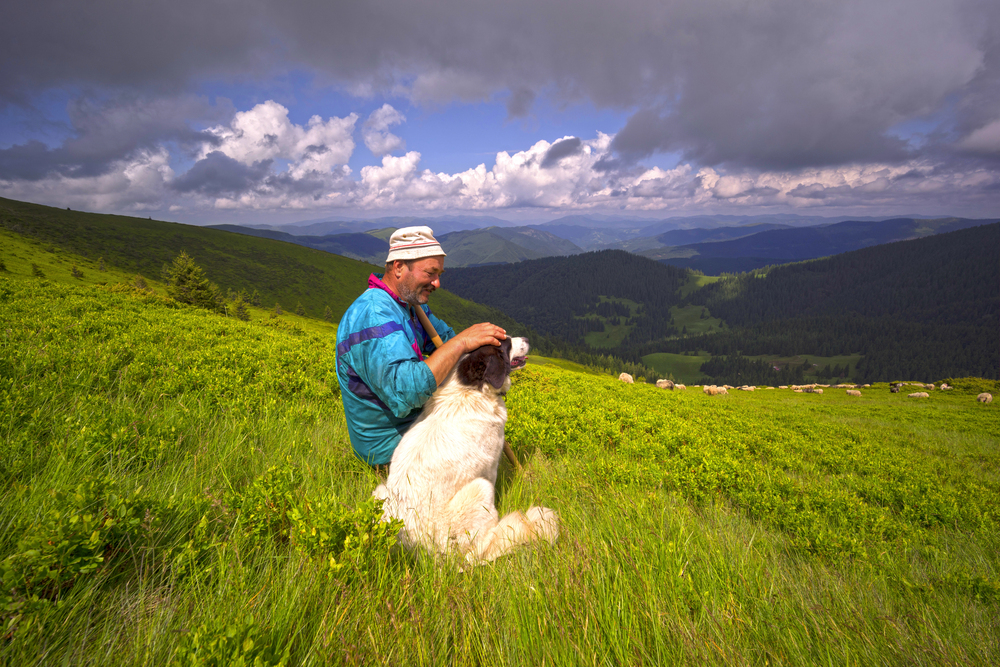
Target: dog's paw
{"type": "Point", "coordinates": [545, 523]}
{"type": "Point", "coordinates": [381, 492]}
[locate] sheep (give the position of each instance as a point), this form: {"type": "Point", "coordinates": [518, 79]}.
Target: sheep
{"type": "Point", "coordinates": [626, 378]}
{"type": "Point", "coordinates": [853, 392]}
{"type": "Point", "coordinates": [985, 397]}
{"type": "Point", "coordinates": [945, 386]}
{"type": "Point", "coordinates": [894, 388]}
{"type": "Point", "coordinates": [679, 386]}
{"type": "Point", "coordinates": [918, 394]}
{"type": "Point", "coordinates": [665, 384]}
{"type": "Point", "coordinates": [712, 390]}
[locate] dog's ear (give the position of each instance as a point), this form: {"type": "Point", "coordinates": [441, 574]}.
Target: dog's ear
{"type": "Point", "coordinates": [488, 363]}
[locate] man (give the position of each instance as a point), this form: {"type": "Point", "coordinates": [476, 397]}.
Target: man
{"type": "Point", "coordinates": [384, 364]}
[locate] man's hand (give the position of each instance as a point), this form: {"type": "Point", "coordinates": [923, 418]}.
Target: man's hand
{"type": "Point", "coordinates": [446, 356]}
{"type": "Point", "coordinates": [480, 334]}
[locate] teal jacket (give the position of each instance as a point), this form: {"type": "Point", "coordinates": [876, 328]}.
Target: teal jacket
{"type": "Point", "coordinates": [383, 379]}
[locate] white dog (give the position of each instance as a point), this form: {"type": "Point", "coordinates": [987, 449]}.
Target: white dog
{"type": "Point", "coordinates": [442, 475]}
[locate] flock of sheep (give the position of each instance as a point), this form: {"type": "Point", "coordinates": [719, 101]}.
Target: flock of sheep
{"type": "Point", "coordinates": [852, 389]}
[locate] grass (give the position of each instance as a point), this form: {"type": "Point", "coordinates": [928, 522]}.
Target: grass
{"type": "Point", "coordinates": [280, 272]}
{"type": "Point", "coordinates": [689, 318]}
{"type": "Point", "coordinates": [200, 452]}
{"type": "Point", "coordinates": [684, 368]}
{"type": "Point", "coordinates": [613, 334]}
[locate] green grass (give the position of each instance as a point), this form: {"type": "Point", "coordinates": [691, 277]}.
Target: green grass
{"type": "Point", "coordinates": [177, 488]}
{"type": "Point", "coordinates": [683, 368]}
{"type": "Point", "coordinates": [280, 272]}
{"type": "Point", "coordinates": [696, 282]}
{"type": "Point", "coordinates": [689, 317]}
{"type": "Point", "coordinates": [613, 334]}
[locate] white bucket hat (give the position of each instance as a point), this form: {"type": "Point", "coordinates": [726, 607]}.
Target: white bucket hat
{"type": "Point", "coordinates": [413, 243]}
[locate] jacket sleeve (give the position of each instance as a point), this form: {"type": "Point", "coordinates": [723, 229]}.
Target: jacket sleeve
{"type": "Point", "coordinates": [388, 365]}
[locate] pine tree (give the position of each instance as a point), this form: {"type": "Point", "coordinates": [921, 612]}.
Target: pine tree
{"type": "Point", "coordinates": [186, 283]}
{"type": "Point", "coordinates": [100, 265]}
{"type": "Point", "coordinates": [37, 271]}
{"type": "Point", "coordinates": [300, 310]}
{"type": "Point", "coordinates": [328, 314]}
{"type": "Point", "coordinates": [240, 311]}
{"type": "Point", "coordinates": [255, 299]}
{"type": "Point", "coordinates": [77, 273]}
{"type": "Point", "coordinates": [277, 309]}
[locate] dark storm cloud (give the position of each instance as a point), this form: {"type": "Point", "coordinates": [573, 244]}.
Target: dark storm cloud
{"type": "Point", "coordinates": [108, 131]}
{"type": "Point", "coordinates": [559, 150]}
{"type": "Point", "coordinates": [218, 174]}
{"type": "Point", "coordinates": [770, 84]}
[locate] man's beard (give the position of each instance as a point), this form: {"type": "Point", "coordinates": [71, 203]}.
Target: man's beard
{"type": "Point", "coordinates": [408, 295]}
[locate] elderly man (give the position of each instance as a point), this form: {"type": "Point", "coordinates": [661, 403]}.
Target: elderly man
{"type": "Point", "coordinates": [384, 363]}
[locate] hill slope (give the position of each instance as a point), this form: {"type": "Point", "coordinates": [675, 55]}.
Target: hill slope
{"type": "Point", "coordinates": [780, 246]}
{"type": "Point", "coordinates": [280, 272]}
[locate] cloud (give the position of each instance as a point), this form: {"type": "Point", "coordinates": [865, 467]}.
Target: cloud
{"type": "Point", "coordinates": [105, 132]}
{"type": "Point", "coordinates": [776, 84]}
{"type": "Point", "coordinates": [265, 133]}
{"type": "Point", "coordinates": [218, 174]}
{"type": "Point", "coordinates": [376, 133]}
{"type": "Point", "coordinates": [560, 149]}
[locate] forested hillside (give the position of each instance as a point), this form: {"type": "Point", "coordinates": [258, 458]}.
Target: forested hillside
{"type": "Point", "coordinates": [560, 296]}
{"type": "Point", "coordinates": [779, 246]}
{"type": "Point", "coordinates": [923, 308]}
{"type": "Point", "coordinates": [928, 307]}
{"type": "Point", "coordinates": [279, 272]}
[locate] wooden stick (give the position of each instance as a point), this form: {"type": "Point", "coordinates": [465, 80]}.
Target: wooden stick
{"type": "Point", "coordinates": [432, 332]}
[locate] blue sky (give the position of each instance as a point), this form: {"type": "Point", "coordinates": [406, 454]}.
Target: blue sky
{"type": "Point", "coordinates": [278, 112]}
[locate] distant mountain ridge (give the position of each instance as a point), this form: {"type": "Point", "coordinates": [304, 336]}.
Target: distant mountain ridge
{"type": "Point", "coordinates": [780, 246]}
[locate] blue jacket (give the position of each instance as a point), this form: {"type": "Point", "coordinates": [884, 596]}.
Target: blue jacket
{"type": "Point", "coordinates": [383, 379]}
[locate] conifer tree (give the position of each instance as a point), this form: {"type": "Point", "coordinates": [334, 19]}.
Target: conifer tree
{"type": "Point", "coordinates": [328, 314]}
{"type": "Point", "coordinates": [37, 271]}
{"type": "Point", "coordinates": [277, 309]}
{"type": "Point", "coordinates": [77, 273]}
{"type": "Point", "coordinates": [300, 310]}
{"type": "Point", "coordinates": [240, 311]}
{"type": "Point", "coordinates": [186, 283]}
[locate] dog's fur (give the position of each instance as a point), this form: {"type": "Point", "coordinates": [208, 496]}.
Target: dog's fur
{"type": "Point", "coordinates": [442, 475]}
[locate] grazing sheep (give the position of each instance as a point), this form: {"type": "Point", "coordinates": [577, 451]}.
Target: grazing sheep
{"type": "Point", "coordinates": [679, 386]}
{"type": "Point", "coordinates": [945, 386]}
{"type": "Point", "coordinates": [867, 386]}
{"type": "Point", "coordinates": [894, 388]}
{"type": "Point", "coordinates": [985, 397]}
{"type": "Point", "coordinates": [783, 386]}
{"type": "Point", "coordinates": [626, 378]}
{"type": "Point", "coordinates": [918, 394]}
{"type": "Point", "coordinates": [665, 384]}
{"type": "Point", "coordinates": [712, 390]}
{"type": "Point", "coordinates": [816, 390]}
{"type": "Point", "coordinates": [853, 392]}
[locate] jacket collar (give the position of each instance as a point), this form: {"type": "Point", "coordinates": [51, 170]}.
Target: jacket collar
{"type": "Point", "coordinates": [375, 282]}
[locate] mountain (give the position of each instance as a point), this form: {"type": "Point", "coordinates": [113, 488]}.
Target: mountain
{"type": "Point", "coordinates": [496, 245]}
{"type": "Point", "coordinates": [365, 247]}
{"type": "Point", "coordinates": [926, 307]}
{"type": "Point", "coordinates": [279, 271]}
{"type": "Point", "coordinates": [780, 246]}
{"type": "Point", "coordinates": [567, 296]}
{"type": "Point", "coordinates": [440, 224]}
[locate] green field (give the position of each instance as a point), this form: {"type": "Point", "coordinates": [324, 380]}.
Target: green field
{"type": "Point", "coordinates": [178, 489]}
{"type": "Point", "coordinates": [686, 368]}
{"type": "Point", "coordinates": [613, 334]}
{"type": "Point", "coordinates": [682, 367]}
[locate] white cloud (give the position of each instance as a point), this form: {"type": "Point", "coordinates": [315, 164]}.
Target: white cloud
{"type": "Point", "coordinates": [266, 133]}
{"type": "Point", "coordinates": [376, 133]}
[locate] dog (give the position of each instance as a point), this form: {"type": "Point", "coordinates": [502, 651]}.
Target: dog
{"type": "Point", "coordinates": [442, 475]}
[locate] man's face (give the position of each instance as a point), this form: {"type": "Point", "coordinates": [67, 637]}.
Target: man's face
{"type": "Point", "coordinates": [419, 279]}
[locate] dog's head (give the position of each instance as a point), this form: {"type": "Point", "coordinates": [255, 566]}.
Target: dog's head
{"type": "Point", "coordinates": [493, 364]}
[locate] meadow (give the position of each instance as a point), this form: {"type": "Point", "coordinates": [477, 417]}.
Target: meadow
{"type": "Point", "coordinates": [178, 489]}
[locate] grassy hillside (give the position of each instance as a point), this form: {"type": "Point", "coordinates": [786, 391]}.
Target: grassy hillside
{"type": "Point", "coordinates": [177, 488]}
{"type": "Point", "coordinates": [280, 272]}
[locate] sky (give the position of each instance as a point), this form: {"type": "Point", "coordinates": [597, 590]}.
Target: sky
{"type": "Point", "coordinates": [259, 111]}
